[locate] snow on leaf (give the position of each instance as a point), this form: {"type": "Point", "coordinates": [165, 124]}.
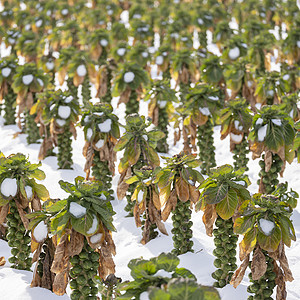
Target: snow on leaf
{"type": "Point", "coordinates": [9, 187]}
{"type": "Point", "coordinates": [129, 77]}
{"type": "Point", "coordinates": [94, 226]}
{"type": "Point", "coordinates": [262, 132]}
{"type": "Point", "coordinates": [40, 232]}
{"type": "Point", "coordinates": [234, 53]}
{"type": "Point", "coordinates": [105, 126]}
{"type": "Point", "coordinates": [6, 72]}
{"type": "Point", "coordinates": [237, 138]}
{"type": "Point", "coordinates": [277, 122]}
{"type": "Point", "coordinates": [27, 79]}
{"type": "Point", "coordinates": [28, 191]}
{"type": "Point", "coordinates": [77, 210]}
{"type": "Point", "coordinates": [159, 60]}
{"type": "Point", "coordinates": [266, 226]}
{"type": "Point", "coordinates": [96, 238]}
{"type": "Point", "coordinates": [81, 70]}
{"type": "Point", "coordinates": [64, 111]}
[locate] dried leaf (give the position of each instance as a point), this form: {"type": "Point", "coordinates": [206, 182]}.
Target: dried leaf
{"type": "Point", "coordinates": [182, 189]}
{"type": "Point", "coordinates": [22, 214]}
{"type": "Point", "coordinates": [60, 282]}
{"type": "Point", "coordinates": [209, 218]}
{"type": "Point", "coordinates": [76, 243]}
{"type": "Point", "coordinates": [170, 205]}
{"type": "Point", "coordinates": [3, 213]}
{"type": "Point", "coordinates": [156, 201]}
{"type": "Point", "coordinates": [238, 275]}
{"type": "Point", "coordinates": [258, 265]}
{"type": "Point", "coordinates": [60, 258]}
{"type": "Point", "coordinates": [122, 185]}
{"type": "Point", "coordinates": [2, 261]}
{"type": "Point", "coordinates": [194, 193]}
{"type": "Point", "coordinates": [137, 218]}
{"type": "Point", "coordinates": [281, 293]}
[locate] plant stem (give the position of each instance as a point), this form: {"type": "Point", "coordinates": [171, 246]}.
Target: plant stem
{"type": "Point", "coordinates": [9, 109]}
{"type": "Point", "coordinates": [132, 106]}
{"type": "Point", "coordinates": [240, 155]}
{"type": "Point", "coordinates": [64, 143]}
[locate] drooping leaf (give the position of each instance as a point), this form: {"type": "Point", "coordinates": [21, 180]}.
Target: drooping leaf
{"type": "Point", "coordinates": [228, 205]}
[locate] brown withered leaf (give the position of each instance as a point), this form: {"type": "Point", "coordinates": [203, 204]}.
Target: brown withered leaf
{"type": "Point", "coordinates": [60, 282]}
{"type": "Point", "coordinates": [36, 279]}
{"type": "Point", "coordinates": [3, 213]}
{"type": "Point", "coordinates": [146, 233]}
{"type": "Point", "coordinates": [268, 160]}
{"type": "Point", "coordinates": [257, 149]}
{"type": "Point", "coordinates": [25, 221]}
{"type": "Point", "coordinates": [194, 193]}
{"type": "Point", "coordinates": [75, 244]}
{"type": "Point", "coordinates": [261, 188]}
{"type": "Point", "coordinates": [200, 119]}
{"type": "Point", "coordinates": [35, 246]}
{"type": "Point", "coordinates": [209, 218]}
{"type": "Point", "coordinates": [281, 293]}
{"type": "Point", "coordinates": [156, 201]}
{"type": "Point", "coordinates": [77, 80]}
{"type": "Point", "coordinates": [60, 258]}
{"type": "Point", "coordinates": [122, 185]}
{"type": "Point", "coordinates": [182, 189]}
{"type": "Point", "coordinates": [170, 205]}
{"type": "Point", "coordinates": [258, 265]}
{"type": "Point", "coordinates": [2, 261]}
{"type": "Point", "coordinates": [137, 218]}
{"type": "Point", "coordinates": [156, 218]}
{"type": "Point", "coordinates": [36, 203]}
{"type": "Point", "coordinates": [124, 97]}
{"type": "Point", "coordinates": [238, 275]}
{"type": "Point", "coordinates": [106, 263]}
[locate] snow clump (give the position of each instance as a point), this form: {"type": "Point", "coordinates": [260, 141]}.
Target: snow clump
{"type": "Point", "coordinates": [103, 42]}
{"type": "Point", "coordinates": [27, 79]}
{"type": "Point", "coordinates": [40, 232]}
{"type": "Point", "coordinates": [144, 296]}
{"type": "Point", "coordinates": [234, 53]}
{"type": "Point", "coordinates": [60, 122]}
{"type": "Point", "coordinates": [129, 77]}
{"type": "Point", "coordinates": [77, 210]}
{"type": "Point", "coordinates": [99, 144]}
{"type": "Point", "coordinates": [28, 191]}
{"type": "Point", "coordinates": [64, 111]}
{"type": "Point", "coordinates": [163, 273]}
{"type": "Point", "coordinates": [9, 187]}
{"type": "Point", "coordinates": [214, 98]}
{"type": "Point", "coordinates": [96, 238]}
{"type": "Point", "coordinates": [6, 72]}
{"type": "Point", "coordinates": [277, 122]}
{"type": "Point", "coordinates": [237, 138]}
{"type": "Point", "coordinates": [121, 51]}
{"type": "Point", "coordinates": [81, 70]}
{"type": "Point", "coordinates": [262, 132]}
{"type": "Point", "coordinates": [50, 65]}
{"type": "Point", "coordinates": [105, 126]}
{"type": "Point", "coordinates": [89, 133]}
{"type": "Point", "coordinates": [162, 104]}
{"type": "Point", "coordinates": [159, 60]}
{"type": "Point", "coordinates": [266, 226]}
{"type": "Point", "coordinates": [94, 226]}
{"type": "Point", "coordinates": [204, 111]}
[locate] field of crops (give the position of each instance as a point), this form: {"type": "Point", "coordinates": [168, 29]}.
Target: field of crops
{"type": "Point", "coordinates": [149, 149]}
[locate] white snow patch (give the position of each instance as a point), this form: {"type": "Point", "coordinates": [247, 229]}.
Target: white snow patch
{"type": "Point", "coordinates": [286, 77]}
{"type": "Point", "coordinates": [237, 138]}
{"type": "Point", "coordinates": [28, 191]}
{"type": "Point", "coordinates": [6, 72]}
{"type": "Point", "coordinates": [129, 77]}
{"type": "Point", "coordinates": [60, 122]}
{"type": "Point", "coordinates": [262, 132]}
{"type": "Point", "coordinates": [103, 42]}
{"type": "Point", "coordinates": [270, 93]}
{"type": "Point", "coordinates": [159, 60]}
{"type": "Point", "coordinates": [140, 197]}
{"type": "Point", "coordinates": [39, 23]}
{"type": "Point", "coordinates": [105, 126]}
{"type": "Point", "coordinates": [200, 21]}
{"type": "Point", "coordinates": [50, 65]}
{"type": "Point", "coordinates": [234, 53]}
{"type": "Point", "coordinates": [277, 122]}
{"type": "Point", "coordinates": [40, 81]}
{"type": "Point", "coordinates": [40, 232]}
{"type": "Point", "coordinates": [27, 79]}
{"type": "Point", "coordinates": [64, 111]}
{"type": "Point", "coordinates": [96, 238]}
{"type": "Point", "coordinates": [69, 99]}
{"type": "Point", "coordinates": [291, 114]}
{"type": "Point", "coordinates": [89, 133]}
{"type": "Point", "coordinates": [145, 54]}
{"type": "Point", "coordinates": [145, 136]}
{"type": "Point", "coordinates": [145, 295]}
{"type": "Point", "coordinates": [241, 182]}
{"type": "Point", "coordinates": [259, 121]}
{"type": "Point", "coordinates": [77, 210]}
{"type": "Point", "coordinates": [81, 70]}
{"type": "Point", "coordinates": [298, 44]}
{"type": "Point", "coordinates": [9, 187]}
{"type": "Point", "coordinates": [204, 111]}
{"type": "Point", "coordinates": [94, 226]}
{"type": "Point", "coordinates": [163, 273]}
{"type": "Point", "coordinates": [214, 98]}
{"type": "Point", "coordinates": [65, 11]}
{"type": "Point", "coordinates": [162, 104]}
{"type": "Point", "coordinates": [99, 144]}
{"type": "Point", "coordinates": [266, 226]}
{"type": "Point", "coordinates": [121, 51]}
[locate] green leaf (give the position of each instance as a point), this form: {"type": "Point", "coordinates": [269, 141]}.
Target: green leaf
{"type": "Point", "coordinates": [106, 217]}
{"type": "Point", "coordinates": [243, 224]}
{"type": "Point", "coordinates": [142, 268]}
{"type": "Point", "coordinates": [132, 179]}
{"type": "Point", "coordinates": [183, 272]}
{"type": "Point", "coordinates": [166, 261]}
{"type": "Point", "coordinates": [184, 289]}
{"type": "Point", "coordinates": [287, 230]}
{"type": "Point", "coordinates": [216, 193]}
{"type": "Point", "coordinates": [210, 293]}
{"type": "Point", "coordinates": [271, 242]}
{"type": "Point", "coordinates": [41, 191]}
{"type": "Point", "coordinates": [82, 225]}
{"type": "Point", "coordinates": [38, 174]}
{"type": "Point", "coordinates": [228, 205]}
{"type": "Point", "coordinates": [3, 201]}
{"type": "Point", "coordinates": [158, 294]}
{"type": "Point", "coordinates": [155, 135]}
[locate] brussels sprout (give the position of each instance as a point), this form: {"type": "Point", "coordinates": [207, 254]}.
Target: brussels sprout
{"type": "Point", "coordinates": [87, 265]}
{"type": "Point", "coordinates": [218, 263]}
{"type": "Point", "coordinates": [255, 287]}
{"type": "Point", "coordinates": [76, 295]}
{"type": "Point", "coordinates": [267, 292]}
{"type": "Point", "coordinates": [12, 259]}
{"type": "Point", "coordinates": [77, 269]}
{"type": "Point", "coordinates": [86, 290]}
{"type": "Point", "coordinates": [83, 255]}
{"type": "Point", "coordinates": [224, 238]}
{"type": "Point", "coordinates": [232, 253]}
{"type": "Point", "coordinates": [222, 283]}
{"type": "Point", "coordinates": [81, 280]}
{"type": "Point", "coordinates": [74, 260]}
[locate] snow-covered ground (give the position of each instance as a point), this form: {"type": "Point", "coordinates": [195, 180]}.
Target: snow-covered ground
{"type": "Point", "coordinates": [15, 284]}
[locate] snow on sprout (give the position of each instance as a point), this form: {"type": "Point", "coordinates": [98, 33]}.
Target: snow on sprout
{"type": "Point", "coordinates": [214, 98]}
{"type": "Point", "coordinates": [103, 42]}
{"type": "Point", "coordinates": [121, 51]}
{"type": "Point", "coordinates": [237, 138]}
{"type": "Point", "coordinates": [81, 70]}
{"type": "Point", "coordinates": [162, 104]}
{"type": "Point", "coordinates": [140, 197]}
{"type": "Point", "coordinates": [50, 65]}
{"type": "Point", "coordinates": [27, 79]}
{"type": "Point", "coordinates": [259, 121]}
{"type": "Point", "coordinates": [266, 226]}
{"type": "Point", "coordinates": [144, 296]}
{"type": "Point", "coordinates": [159, 60]}
{"type": "Point", "coordinates": [291, 114]}
{"type": "Point", "coordinates": [77, 210]}
{"type": "Point", "coordinates": [64, 111]}
{"type": "Point", "coordinates": [99, 144]}
{"type": "Point", "coordinates": [163, 273]}
{"type": "Point", "coordinates": [200, 21]}
{"type": "Point", "coordinates": [129, 77]}
{"type": "Point", "coordinates": [204, 111]}
{"type": "Point", "coordinates": [94, 226]}
{"type": "Point", "coordinates": [286, 77]}
{"type": "Point", "coordinates": [262, 132]}
{"type": "Point", "coordinates": [96, 238]}
{"type": "Point", "coordinates": [9, 187]}
{"type": "Point", "coordinates": [234, 53]}
{"type": "Point", "coordinates": [89, 133]}
{"type": "Point", "coordinates": [69, 99]}
{"type": "Point", "coordinates": [105, 126]}
{"type": "Point", "coordinates": [60, 122]}
{"type": "Point", "coordinates": [145, 54]}
{"type": "Point", "coordinates": [277, 122]}
{"type": "Point", "coordinates": [6, 72]}
{"type": "Point", "coordinates": [28, 191]}
{"type": "Point", "coordinates": [40, 232]}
